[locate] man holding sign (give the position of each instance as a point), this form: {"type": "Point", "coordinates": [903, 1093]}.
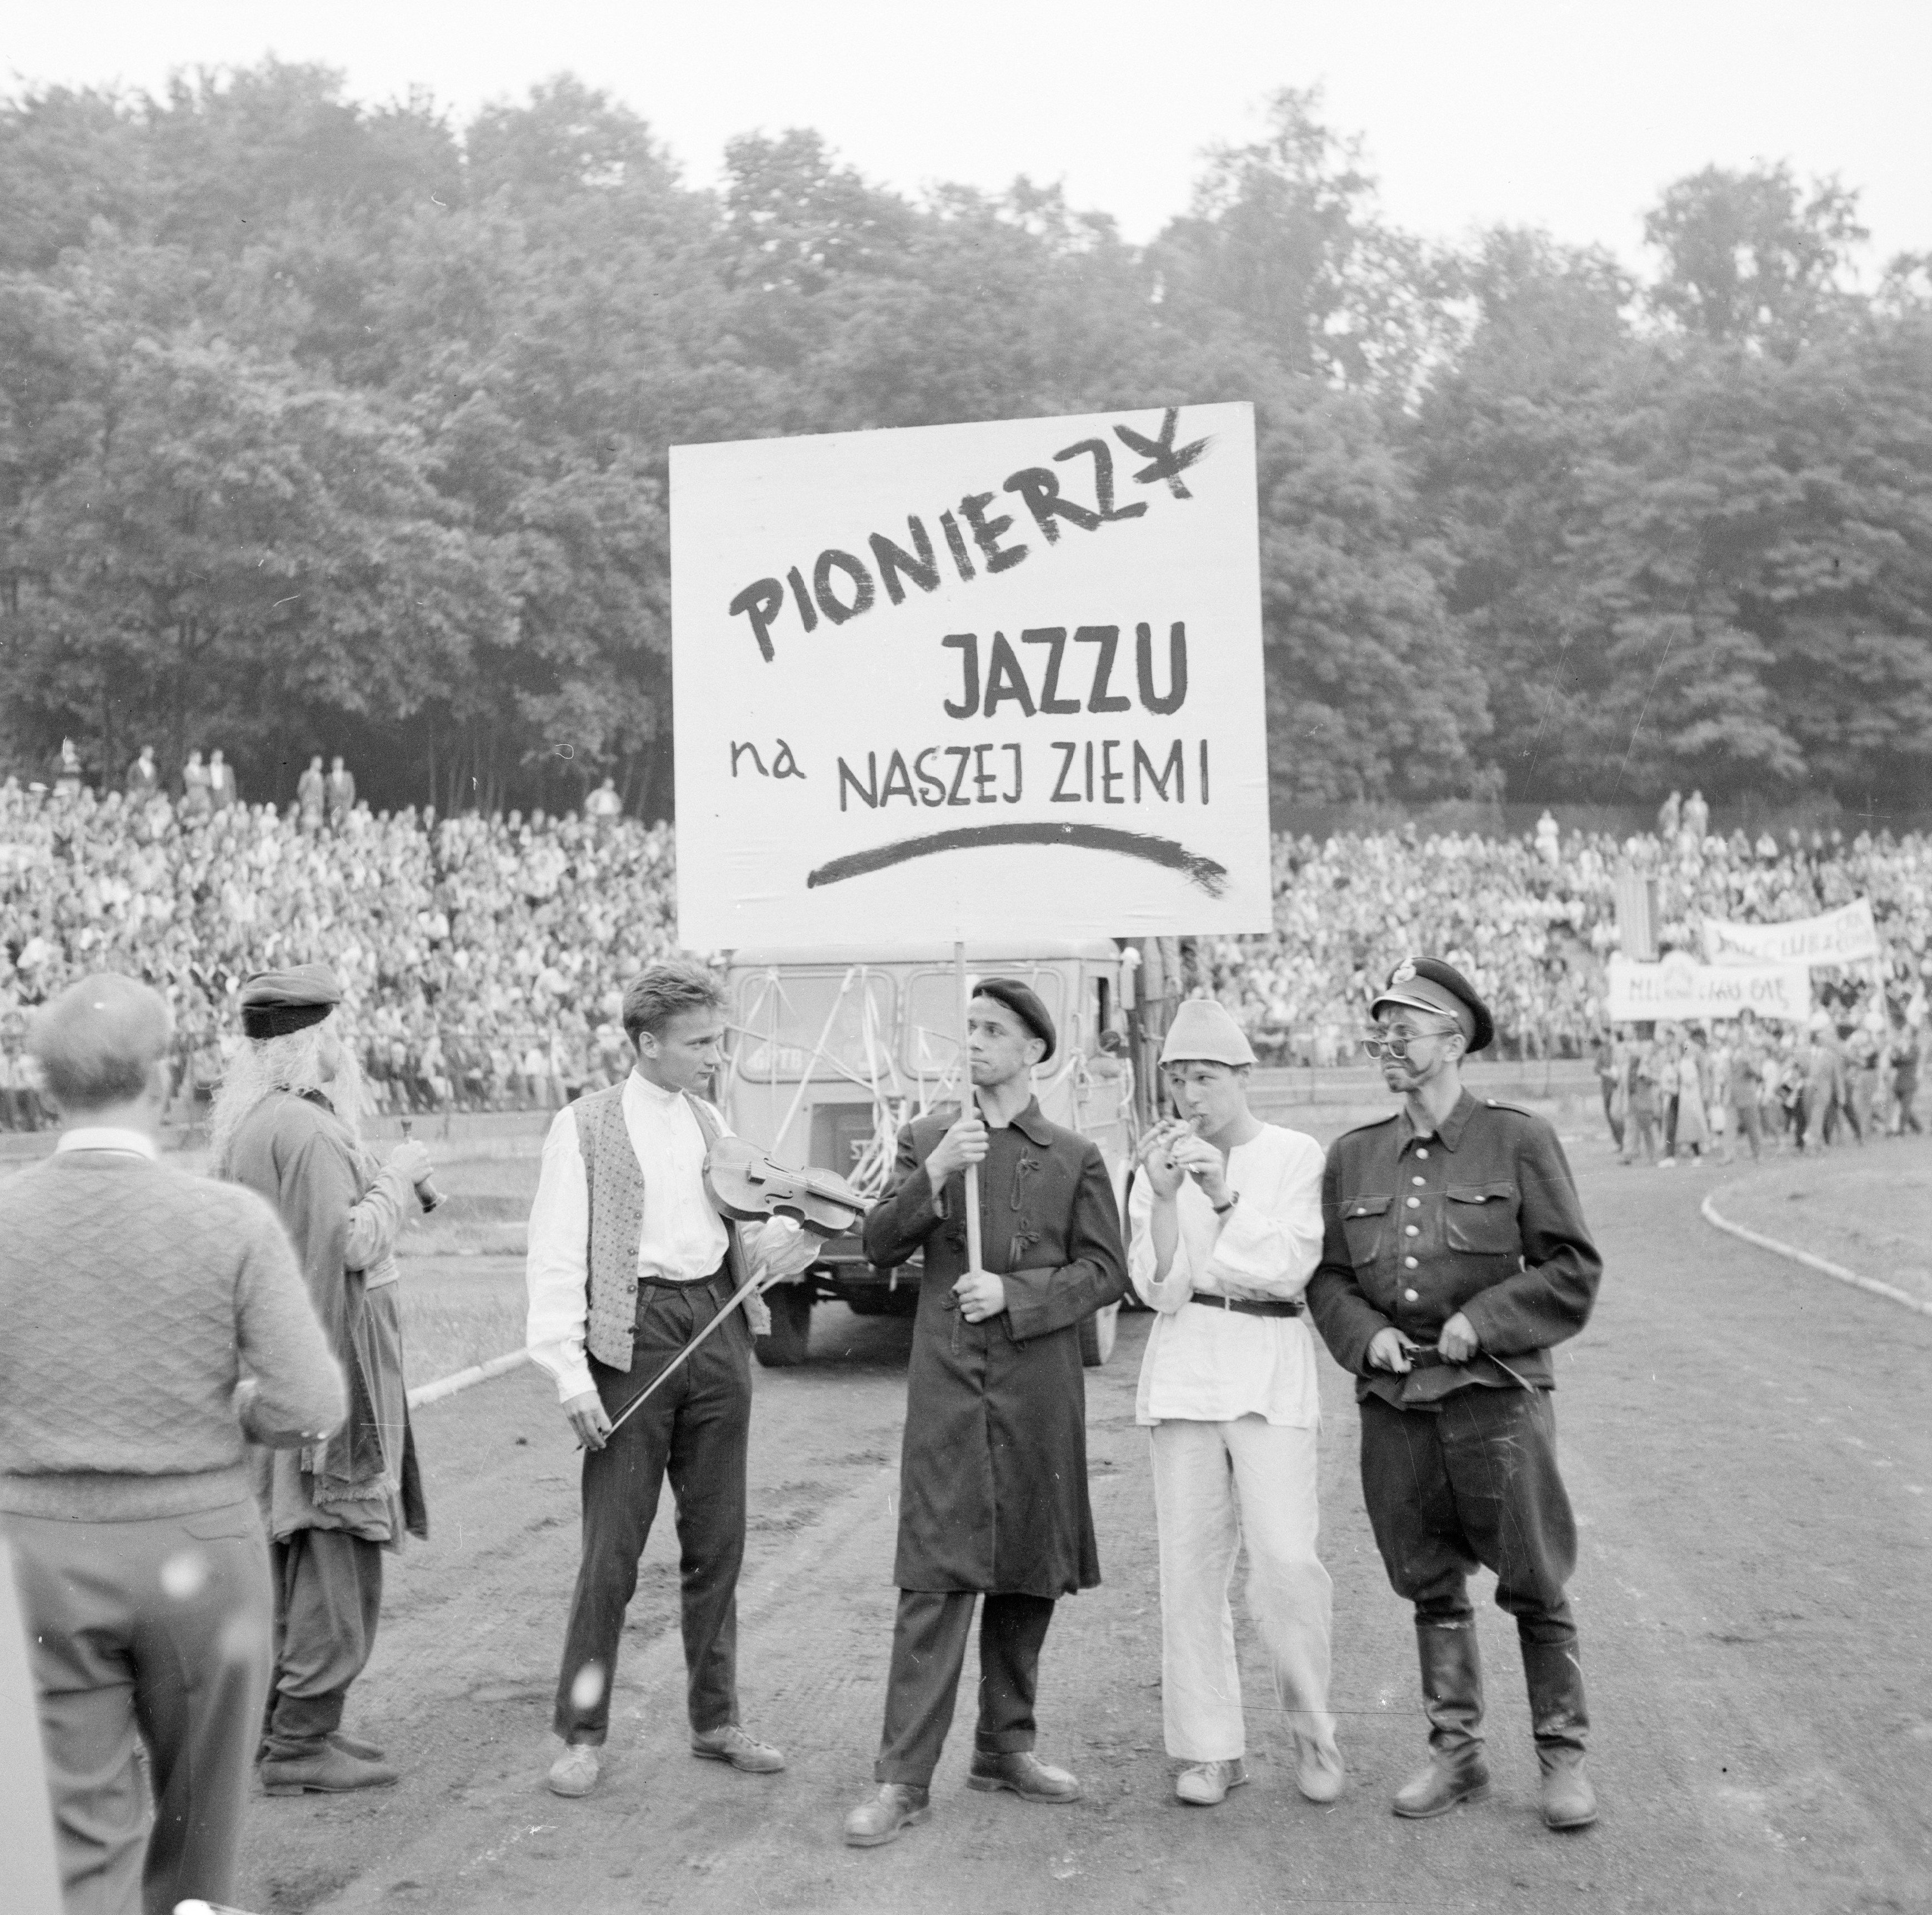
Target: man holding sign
{"type": "Point", "coordinates": [993, 1478]}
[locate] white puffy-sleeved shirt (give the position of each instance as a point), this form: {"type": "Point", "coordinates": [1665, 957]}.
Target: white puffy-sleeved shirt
{"type": "Point", "coordinates": [682, 1240]}
{"type": "Point", "coordinates": [1209, 1365]}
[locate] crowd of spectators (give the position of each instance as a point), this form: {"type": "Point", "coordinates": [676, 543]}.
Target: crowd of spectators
{"type": "Point", "coordinates": [1532, 920]}
{"type": "Point", "coordinates": [485, 957]}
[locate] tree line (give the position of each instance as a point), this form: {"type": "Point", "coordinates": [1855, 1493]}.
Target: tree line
{"type": "Point", "coordinates": [328, 426]}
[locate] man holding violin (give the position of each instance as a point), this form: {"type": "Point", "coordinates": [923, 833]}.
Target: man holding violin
{"type": "Point", "coordinates": [1454, 1254]}
{"type": "Point", "coordinates": [993, 1477]}
{"type": "Point", "coordinates": [629, 1263]}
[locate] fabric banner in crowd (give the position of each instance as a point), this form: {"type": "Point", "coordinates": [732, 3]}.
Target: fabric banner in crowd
{"type": "Point", "coordinates": [1684, 991]}
{"type": "Point", "coordinates": [987, 680]}
{"type": "Point", "coordinates": [1846, 935]}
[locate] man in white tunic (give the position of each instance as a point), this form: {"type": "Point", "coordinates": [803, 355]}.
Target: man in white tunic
{"type": "Point", "coordinates": [1226, 1218]}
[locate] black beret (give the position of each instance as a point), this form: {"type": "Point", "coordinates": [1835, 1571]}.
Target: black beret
{"type": "Point", "coordinates": [1436, 979]}
{"type": "Point", "coordinates": [1023, 1000]}
{"type": "Point", "coordinates": [274, 1003]}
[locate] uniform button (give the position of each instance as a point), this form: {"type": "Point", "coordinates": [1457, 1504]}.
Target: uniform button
{"type": "Point", "coordinates": [1408, 1263]}
{"type": "Point", "coordinates": [1415, 1203]}
{"type": "Point", "coordinates": [1417, 1180]}
{"type": "Point", "coordinates": [1422, 1153]}
{"type": "Point", "coordinates": [1411, 1295]}
{"type": "Point", "coordinates": [1415, 1230]}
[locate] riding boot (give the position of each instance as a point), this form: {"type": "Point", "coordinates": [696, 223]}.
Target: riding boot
{"type": "Point", "coordinates": [1452, 1698]}
{"type": "Point", "coordinates": [1560, 1722]}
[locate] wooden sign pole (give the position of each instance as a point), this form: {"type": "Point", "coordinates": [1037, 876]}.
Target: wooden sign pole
{"type": "Point", "coordinates": [966, 1104]}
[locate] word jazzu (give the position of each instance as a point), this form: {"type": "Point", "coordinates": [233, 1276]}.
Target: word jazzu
{"type": "Point", "coordinates": [844, 587]}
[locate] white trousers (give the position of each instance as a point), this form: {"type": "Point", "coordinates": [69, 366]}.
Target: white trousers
{"type": "Point", "coordinates": [1216, 1486]}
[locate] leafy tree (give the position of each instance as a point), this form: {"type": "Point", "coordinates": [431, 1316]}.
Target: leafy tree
{"type": "Point", "coordinates": [1751, 257]}
{"type": "Point", "coordinates": [1285, 232]}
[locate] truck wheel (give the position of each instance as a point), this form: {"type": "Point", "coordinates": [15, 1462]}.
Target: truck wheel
{"type": "Point", "coordinates": [1096, 1336]}
{"type": "Point", "coordinates": [790, 1306]}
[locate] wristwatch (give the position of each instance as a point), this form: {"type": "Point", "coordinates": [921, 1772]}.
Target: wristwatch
{"type": "Point", "coordinates": [1222, 1209]}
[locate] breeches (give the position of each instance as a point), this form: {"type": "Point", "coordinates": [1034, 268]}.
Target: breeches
{"type": "Point", "coordinates": [697, 1429]}
{"type": "Point", "coordinates": [153, 1633]}
{"type": "Point", "coordinates": [1217, 1486]}
{"type": "Point", "coordinates": [1475, 1483]}
{"type": "Point", "coordinates": [929, 1636]}
{"type": "Point", "coordinates": [329, 1598]}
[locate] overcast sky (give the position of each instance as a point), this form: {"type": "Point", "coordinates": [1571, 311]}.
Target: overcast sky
{"type": "Point", "coordinates": [1567, 116]}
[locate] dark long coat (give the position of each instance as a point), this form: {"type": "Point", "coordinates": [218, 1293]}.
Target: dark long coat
{"type": "Point", "coordinates": [993, 1473]}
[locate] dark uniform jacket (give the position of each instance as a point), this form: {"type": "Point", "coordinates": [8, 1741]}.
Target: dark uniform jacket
{"type": "Point", "coordinates": [1483, 1218]}
{"type": "Point", "coordinates": [993, 1474]}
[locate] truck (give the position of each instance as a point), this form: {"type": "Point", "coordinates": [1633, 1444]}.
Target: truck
{"type": "Point", "coordinates": [831, 1051]}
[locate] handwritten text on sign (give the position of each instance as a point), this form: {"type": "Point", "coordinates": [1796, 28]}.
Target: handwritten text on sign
{"type": "Point", "coordinates": [1846, 935]}
{"type": "Point", "coordinates": [1684, 991]}
{"type": "Point", "coordinates": [999, 678]}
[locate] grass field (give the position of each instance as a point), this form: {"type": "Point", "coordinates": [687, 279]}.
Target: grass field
{"type": "Point", "coordinates": [459, 1310]}
{"type": "Point", "coordinates": [1868, 1208]}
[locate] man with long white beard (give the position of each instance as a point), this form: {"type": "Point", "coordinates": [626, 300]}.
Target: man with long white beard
{"type": "Point", "coordinates": [286, 1123]}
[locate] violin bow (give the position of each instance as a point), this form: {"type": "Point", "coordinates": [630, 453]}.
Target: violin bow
{"type": "Point", "coordinates": [637, 1403]}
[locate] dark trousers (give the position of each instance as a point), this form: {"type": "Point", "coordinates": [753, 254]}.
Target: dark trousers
{"type": "Point", "coordinates": [329, 1598]}
{"type": "Point", "coordinates": [1475, 1482]}
{"type": "Point", "coordinates": [697, 1429]}
{"type": "Point", "coordinates": [152, 1634]}
{"type": "Point", "coordinates": [1610, 1116]}
{"type": "Point", "coordinates": [929, 1651]}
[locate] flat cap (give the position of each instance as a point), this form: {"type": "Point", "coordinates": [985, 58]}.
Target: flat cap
{"type": "Point", "coordinates": [274, 1003]}
{"type": "Point", "coordinates": [1429, 984]}
{"type": "Point", "coordinates": [1023, 1001]}
{"type": "Point", "coordinates": [1203, 1032]}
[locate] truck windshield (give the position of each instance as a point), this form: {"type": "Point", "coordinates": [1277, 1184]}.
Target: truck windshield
{"type": "Point", "coordinates": [932, 1013]}
{"type": "Point", "coordinates": [831, 1023]}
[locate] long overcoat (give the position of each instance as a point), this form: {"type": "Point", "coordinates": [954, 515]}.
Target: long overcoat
{"type": "Point", "coordinates": [993, 1471]}
{"type": "Point", "coordinates": [335, 1200]}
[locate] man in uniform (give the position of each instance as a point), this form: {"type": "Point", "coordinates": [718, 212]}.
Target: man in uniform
{"type": "Point", "coordinates": [286, 1122]}
{"type": "Point", "coordinates": [993, 1474]}
{"type": "Point", "coordinates": [1454, 1254]}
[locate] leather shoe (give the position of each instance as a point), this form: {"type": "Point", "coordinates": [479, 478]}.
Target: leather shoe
{"type": "Point", "coordinates": [897, 1805]}
{"type": "Point", "coordinates": [1022, 1771]}
{"type": "Point", "coordinates": [324, 1770]}
{"type": "Point", "coordinates": [1208, 1783]}
{"type": "Point", "coordinates": [730, 1744]}
{"type": "Point", "coordinates": [1437, 1789]}
{"type": "Point", "coordinates": [575, 1772]}
{"type": "Point", "coordinates": [1568, 1800]}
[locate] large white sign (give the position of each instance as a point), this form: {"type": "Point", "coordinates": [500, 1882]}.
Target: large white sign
{"type": "Point", "coordinates": [1846, 935]}
{"type": "Point", "coordinates": [1000, 680]}
{"type": "Point", "coordinates": [1684, 991]}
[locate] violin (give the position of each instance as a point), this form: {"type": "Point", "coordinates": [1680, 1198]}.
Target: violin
{"type": "Point", "coordinates": [746, 1184]}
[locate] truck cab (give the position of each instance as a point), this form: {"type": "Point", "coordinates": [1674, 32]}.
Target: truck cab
{"type": "Point", "coordinates": [831, 1051]}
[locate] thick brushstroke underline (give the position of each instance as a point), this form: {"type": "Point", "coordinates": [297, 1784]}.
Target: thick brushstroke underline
{"type": "Point", "coordinates": [1210, 877]}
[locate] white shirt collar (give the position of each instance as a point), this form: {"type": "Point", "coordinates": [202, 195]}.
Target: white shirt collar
{"type": "Point", "coordinates": [654, 1097]}
{"type": "Point", "coordinates": [102, 1137]}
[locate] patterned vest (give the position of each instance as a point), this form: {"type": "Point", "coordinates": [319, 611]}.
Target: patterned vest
{"type": "Point", "coordinates": [616, 1184]}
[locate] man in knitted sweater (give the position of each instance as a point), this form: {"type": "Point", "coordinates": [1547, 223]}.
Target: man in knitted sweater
{"type": "Point", "coordinates": [153, 1319]}
{"type": "Point", "coordinates": [283, 1124]}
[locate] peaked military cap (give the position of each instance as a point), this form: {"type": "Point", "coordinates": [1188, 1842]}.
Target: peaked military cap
{"type": "Point", "coordinates": [1429, 984]}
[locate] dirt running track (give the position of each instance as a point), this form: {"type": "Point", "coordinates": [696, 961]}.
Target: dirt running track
{"type": "Point", "coordinates": [1751, 1455]}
